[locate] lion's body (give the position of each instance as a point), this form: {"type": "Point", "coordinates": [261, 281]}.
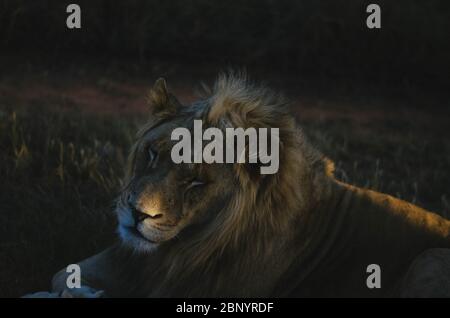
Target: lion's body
{"type": "Point", "coordinates": [360, 227]}
{"type": "Point", "coordinates": [365, 227]}
{"type": "Point", "coordinates": [298, 233]}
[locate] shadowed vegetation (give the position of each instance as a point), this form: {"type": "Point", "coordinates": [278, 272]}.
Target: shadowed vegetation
{"type": "Point", "coordinates": [60, 173]}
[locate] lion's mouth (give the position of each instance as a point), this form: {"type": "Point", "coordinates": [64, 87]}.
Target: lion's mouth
{"type": "Point", "coordinates": [153, 234]}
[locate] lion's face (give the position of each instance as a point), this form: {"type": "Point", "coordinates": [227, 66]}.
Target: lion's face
{"type": "Point", "coordinates": [163, 200]}
{"type": "Point", "coordinates": [205, 202]}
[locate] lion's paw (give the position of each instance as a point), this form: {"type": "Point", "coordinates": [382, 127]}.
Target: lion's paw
{"type": "Point", "coordinates": [82, 292]}
{"type": "Point", "coordinates": [42, 294]}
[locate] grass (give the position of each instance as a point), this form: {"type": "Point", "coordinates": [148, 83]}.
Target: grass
{"type": "Point", "coordinates": [407, 159]}
{"type": "Point", "coordinates": [60, 171]}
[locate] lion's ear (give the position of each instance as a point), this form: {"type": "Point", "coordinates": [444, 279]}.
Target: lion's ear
{"type": "Point", "coordinates": [162, 103]}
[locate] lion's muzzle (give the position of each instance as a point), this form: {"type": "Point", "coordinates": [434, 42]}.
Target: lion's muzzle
{"type": "Point", "coordinates": [151, 217]}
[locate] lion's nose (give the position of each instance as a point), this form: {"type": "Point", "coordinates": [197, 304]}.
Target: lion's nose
{"type": "Point", "coordinates": [140, 216]}
{"type": "Point", "coordinates": [141, 211]}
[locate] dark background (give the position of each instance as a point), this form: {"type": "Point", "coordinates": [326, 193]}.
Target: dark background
{"type": "Point", "coordinates": [317, 41]}
{"type": "Point", "coordinates": [376, 102]}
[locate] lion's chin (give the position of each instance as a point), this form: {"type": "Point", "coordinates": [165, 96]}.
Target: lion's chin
{"type": "Point", "coordinates": [144, 237]}
{"type": "Point", "coordinates": [131, 237]}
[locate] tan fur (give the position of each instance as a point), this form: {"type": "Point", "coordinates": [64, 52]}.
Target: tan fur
{"type": "Point", "coordinates": [298, 232]}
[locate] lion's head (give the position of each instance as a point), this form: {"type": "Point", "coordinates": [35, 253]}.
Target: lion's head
{"type": "Point", "coordinates": [211, 207]}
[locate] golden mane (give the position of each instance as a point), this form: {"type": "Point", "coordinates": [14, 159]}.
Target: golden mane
{"type": "Point", "coordinates": [260, 208]}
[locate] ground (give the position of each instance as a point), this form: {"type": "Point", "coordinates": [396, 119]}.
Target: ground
{"type": "Point", "coordinates": [64, 141]}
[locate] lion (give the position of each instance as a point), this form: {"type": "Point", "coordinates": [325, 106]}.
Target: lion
{"type": "Point", "coordinates": [225, 230]}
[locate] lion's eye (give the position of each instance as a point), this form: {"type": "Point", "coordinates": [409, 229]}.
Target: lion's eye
{"type": "Point", "coordinates": [152, 156]}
